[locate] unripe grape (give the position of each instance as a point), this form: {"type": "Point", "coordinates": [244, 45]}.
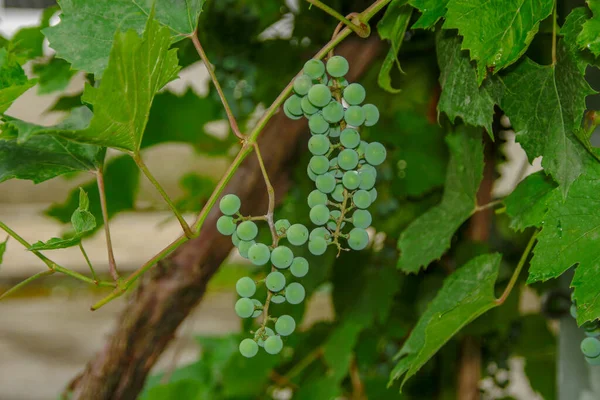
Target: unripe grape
{"type": "Point", "coordinates": [273, 344]}
{"type": "Point", "coordinates": [371, 114]}
{"type": "Point", "coordinates": [354, 94]}
{"type": "Point", "coordinates": [319, 214]}
{"type": "Point", "coordinates": [302, 84]}
{"type": "Point", "coordinates": [362, 219]}
{"type": "Point", "coordinates": [275, 281]}
{"type": "Point", "coordinates": [590, 347]}
{"type": "Point", "coordinates": [317, 124]}
{"type": "Point", "coordinates": [316, 197]}
{"type": "Point", "coordinates": [350, 138]}
{"type": "Point", "coordinates": [354, 116]}
{"type": "Point", "coordinates": [244, 247]}
{"type": "Point", "coordinates": [258, 308]}
{"type": "Point", "coordinates": [225, 225]}
{"type": "Point", "coordinates": [235, 239]}
{"type": "Point", "coordinates": [332, 225]}
{"type": "Point", "coordinates": [593, 361]}
{"type": "Point", "coordinates": [573, 309]}
{"type": "Point", "coordinates": [338, 193]}
{"type": "Point", "coordinates": [358, 239]}
{"type": "Point", "coordinates": [348, 159]}
{"type": "Point", "coordinates": [337, 66]}
{"type": "Point", "coordinates": [282, 257]}
{"type": "Point", "coordinates": [319, 164]}
{"type": "Point", "coordinates": [375, 153]}
{"type": "Point", "coordinates": [244, 307]}
{"type": "Point", "coordinates": [319, 95]}
{"type": "Point", "coordinates": [314, 68]}
{"type": "Point", "coordinates": [248, 348]}
{"type": "Point", "coordinates": [351, 180]}
{"type": "Point", "coordinates": [245, 287]}
{"type": "Point", "coordinates": [361, 148]}
{"type": "Point", "coordinates": [278, 299]}
{"type": "Point", "coordinates": [593, 332]}
{"type": "Point", "coordinates": [230, 204]}
{"type": "Point", "coordinates": [361, 199]}
{"type": "Point", "coordinates": [308, 108]}
{"type": "Point", "coordinates": [367, 177]}
{"type": "Point", "coordinates": [259, 254]}
{"type": "Point", "coordinates": [311, 175]}
{"type": "Point", "coordinates": [295, 293]}
{"type": "Point", "coordinates": [263, 335]}
{"type": "Point", "coordinates": [282, 225]}
{"type": "Point", "coordinates": [285, 325]}
{"type": "Point", "coordinates": [334, 131]}
{"type": "Point", "coordinates": [297, 234]}
{"type": "Point", "coordinates": [299, 267]}
{"type": "Point", "coordinates": [317, 246]}
{"type": "Point", "coordinates": [373, 194]}
{"type": "Point", "coordinates": [293, 105]}
{"type": "Point", "coordinates": [288, 114]}
{"type": "Point", "coordinates": [247, 230]}
{"type": "Point", "coordinates": [318, 145]}
{"type": "Point", "coordinates": [326, 182]}
{"type": "Point", "coordinates": [333, 112]}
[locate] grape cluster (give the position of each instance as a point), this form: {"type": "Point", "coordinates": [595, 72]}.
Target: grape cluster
{"type": "Point", "coordinates": [284, 267]}
{"type": "Point", "coordinates": [590, 346]}
{"type": "Point", "coordinates": [342, 165]}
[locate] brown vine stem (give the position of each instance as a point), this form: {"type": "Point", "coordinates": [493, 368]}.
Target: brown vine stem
{"type": "Point", "coordinates": [517, 271]}
{"type": "Point", "coordinates": [360, 30]}
{"type": "Point", "coordinates": [112, 264]}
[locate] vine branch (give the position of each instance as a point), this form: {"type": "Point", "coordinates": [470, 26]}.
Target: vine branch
{"type": "Point", "coordinates": [89, 263]}
{"type": "Point", "coordinates": [361, 30]}
{"type": "Point", "coordinates": [112, 264]}
{"type": "Point", "coordinates": [517, 271]}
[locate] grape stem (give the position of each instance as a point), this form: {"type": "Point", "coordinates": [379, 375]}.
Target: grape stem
{"type": "Point", "coordinates": [361, 30]}
{"type": "Point", "coordinates": [112, 264]}
{"type": "Point", "coordinates": [89, 263]}
{"type": "Point", "coordinates": [339, 222]}
{"type": "Point", "coordinates": [491, 204]}
{"type": "Point", "coordinates": [520, 265]}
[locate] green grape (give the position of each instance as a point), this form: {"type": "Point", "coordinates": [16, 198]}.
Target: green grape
{"type": "Point", "coordinates": [326, 182]}
{"type": "Point", "coordinates": [333, 163]}
{"type": "Point", "coordinates": [348, 159]}
{"type": "Point", "coordinates": [293, 105]}
{"type": "Point", "coordinates": [351, 180]}
{"type": "Point", "coordinates": [319, 95]}
{"type": "Point", "coordinates": [258, 308]}
{"type": "Point", "coordinates": [282, 257]}
{"type": "Point", "coordinates": [361, 148]}
{"type": "Point", "coordinates": [358, 239]}
{"type": "Point", "coordinates": [593, 361]}
{"type": "Point", "coordinates": [259, 254]}
{"type": "Point", "coordinates": [338, 193]}
{"type": "Point", "coordinates": [368, 176]}
{"type": "Point", "coordinates": [278, 299]}
{"type": "Point", "coordinates": [593, 332]}
{"type": "Point", "coordinates": [350, 138]}
{"type": "Point", "coordinates": [354, 116]}
{"type": "Point", "coordinates": [248, 348]}
{"type": "Point", "coordinates": [244, 307]}
{"type": "Point", "coordinates": [362, 219]}
{"type": "Point", "coordinates": [332, 225]}
{"type": "Point", "coordinates": [334, 131]}
{"type": "Point", "coordinates": [245, 287]}
{"type": "Point", "coordinates": [319, 164]}
{"type": "Point", "coordinates": [324, 79]}
{"type": "Point", "coordinates": [263, 335]}
{"type": "Point", "coordinates": [590, 347]}
{"type": "Point", "coordinates": [339, 82]}
{"type": "Point", "coordinates": [318, 145]}
{"type": "Point", "coordinates": [235, 239]}
{"type": "Point", "coordinates": [311, 175]}
{"type": "Point", "coordinates": [302, 84]}
{"type": "Point", "coordinates": [282, 225]}
{"type": "Point", "coordinates": [247, 230]}
{"type": "Point", "coordinates": [285, 325]}
{"type": "Point", "coordinates": [319, 214]}
{"type": "Point", "coordinates": [333, 112]}
{"type": "Point", "coordinates": [275, 281]}
{"type": "Point", "coordinates": [315, 197]}
{"type": "Point", "coordinates": [297, 234]}
{"type": "Point", "coordinates": [294, 293]}
{"type": "Point", "coordinates": [244, 247]}
{"type": "Point", "coordinates": [288, 114]}
{"type": "Point", "coordinates": [225, 224]}
{"type": "Point", "coordinates": [373, 194]}
{"type": "Point", "coordinates": [317, 124]}
{"type": "Point", "coordinates": [307, 107]}
{"type": "Point", "coordinates": [573, 311]}
{"type": "Point", "coordinates": [371, 114]}
{"type": "Point", "coordinates": [273, 344]}
{"type": "Point", "coordinates": [354, 94]}
{"type": "Point", "coordinates": [230, 204]}
{"type": "Point", "coordinates": [361, 199]}
{"type": "Point", "coordinates": [314, 68]}
{"type": "Point", "coordinates": [317, 245]}
{"type": "Point", "coordinates": [337, 66]}
{"type": "Point", "coordinates": [299, 267]}
{"type": "Point", "coordinates": [375, 153]}
{"type": "Point", "coordinates": [321, 232]}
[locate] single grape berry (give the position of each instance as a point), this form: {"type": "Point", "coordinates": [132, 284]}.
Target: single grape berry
{"type": "Point", "coordinates": [348, 159]}
{"type": "Point", "coordinates": [275, 281]}
{"type": "Point", "coordinates": [247, 230]}
{"type": "Point", "coordinates": [282, 225]}
{"type": "Point", "coordinates": [319, 145]}
{"type": "Point", "coordinates": [235, 239]}
{"type": "Point", "coordinates": [354, 116]}
{"type": "Point", "coordinates": [308, 108]}
{"type": "Point", "coordinates": [319, 95]}
{"type": "Point", "coordinates": [263, 335]}
{"type": "Point", "coordinates": [590, 347]}
{"type": "Point", "coordinates": [358, 239]}
{"type": "Point", "coordinates": [225, 225]}
{"type": "Point", "coordinates": [317, 124]}
{"type": "Point", "coordinates": [361, 148]}
{"type": "Point", "coordinates": [316, 197]}
{"type": "Point", "coordinates": [371, 114]}
{"type": "Point", "coordinates": [248, 348]}
{"type": "Point", "coordinates": [230, 204]}
{"type": "Point", "coordinates": [293, 105]}
{"type": "Point", "coordinates": [373, 194]}
{"type": "Point", "coordinates": [302, 84]}
{"type": "Point", "coordinates": [354, 94]}
{"type": "Point", "coordinates": [259, 254]}
{"type": "Point", "coordinates": [244, 307]}
{"type": "Point", "coordinates": [367, 177]}
{"type": "Point", "coordinates": [294, 293]}
{"type": "Point", "coordinates": [351, 180]}
{"type": "Point", "coordinates": [593, 332]}
{"type": "Point", "coordinates": [337, 66]}
{"type": "Point", "coordinates": [319, 164]}
{"type": "Point", "coordinates": [375, 153]}
{"type": "Point", "coordinates": [350, 138]}
{"type": "Point", "coordinates": [361, 199]}
{"type": "Point", "coordinates": [245, 287]}
{"type": "Point", "coordinates": [288, 114]}
{"type": "Point", "coordinates": [258, 308]}
{"type": "Point", "coordinates": [314, 68]}
{"type": "Point", "coordinates": [333, 112]}
{"type": "Point", "coordinates": [334, 131]}
{"type": "Point", "coordinates": [338, 193]}
{"type": "Point", "coordinates": [326, 182]}
{"type": "Point", "coordinates": [244, 247]}
{"type": "Point", "coordinates": [317, 245]}
{"type": "Point", "coordinates": [285, 325]}
{"type": "Point", "coordinates": [361, 219]}
{"type": "Point", "coordinates": [319, 214]}
{"type": "Point", "coordinates": [282, 256]}
{"type": "Point", "coordinates": [299, 267]}
{"type": "Point", "coordinates": [297, 234]}
{"type": "Point", "coordinates": [593, 361]}
{"type": "Point", "coordinates": [278, 299]}
{"type": "Point", "coordinates": [273, 344]}
{"type": "Point", "coordinates": [311, 175]}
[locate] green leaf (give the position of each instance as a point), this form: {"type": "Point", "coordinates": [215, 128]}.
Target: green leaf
{"type": "Point", "coordinates": [325, 388]}
{"type": "Point", "coordinates": [138, 68]}
{"type": "Point", "coordinates": [28, 43]}
{"type": "Point", "coordinates": [428, 237]}
{"type": "Point", "coordinates": [589, 38]}
{"type": "Point", "coordinates": [13, 82]}
{"type": "Point", "coordinates": [545, 105]}
{"type": "Point", "coordinates": [78, 20]}
{"type": "Point", "coordinates": [461, 94]}
{"type": "Point", "coordinates": [496, 32]}
{"type": "Point", "coordinates": [53, 75]}
{"type": "Point", "coordinates": [570, 30]}
{"type": "Point", "coordinates": [338, 349]}
{"type": "Point", "coordinates": [528, 203]}
{"type": "Point", "coordinates": [3, 249]}
{"type": "Point", "coordinates": [466, 294]}
{"type": "Point", "coordinates": [431, 12]}
{"type": "Point", "coordinates": [392, 27]}
{"type": "Point", "coordinates": [187, 389]}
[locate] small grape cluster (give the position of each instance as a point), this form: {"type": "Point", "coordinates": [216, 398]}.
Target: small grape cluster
{"type": "Point", "coordinates": [590, 346]}
{"type": "Point", "coordinates": [342, 165]}
{"type": "Point", "coordinates": [243, 231]}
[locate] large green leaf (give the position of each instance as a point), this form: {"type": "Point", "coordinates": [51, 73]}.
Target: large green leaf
{"type": "Point", "coordinates": [428, 237]}
{"type": "Point", "coordinates": [138, 68]}
{"type": "Point", "coordinates": [496, 32]}
{"type": "Point", "coordinates": [431, 12]}
{"type": "Point", "coordinates": [392, 27]}
{"type": "Point", "coordinates": [545, 105]}
{"type": "Point", "coordinates": [466, 294]}
{"type": "Point", "coordinates": [589, 38]}
{"type": "Point", "coordinates": [528, 203]}
{"type": "Point", "coordinates": [13, 82]}
{"type": "Point", "coordinates": [85, 34]}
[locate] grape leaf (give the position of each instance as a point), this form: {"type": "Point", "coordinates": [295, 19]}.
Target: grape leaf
{"type": "Point", "coordinates": [461, 94]}
{"type": "Point", "coordinates": [28, 43]}
{"type": "Point", "coordinates": [3, 249]}
{"type": "Point", "coordinates": [79, 19]}
{"type": "Point", "coordinates": [138, 68]}
{"type": "Point", "coordinates": [589, 38]}
{"type": "Point", "coordinates": [466, 294]}
{"type": "Point", "coordinates": [53, 75]}
{"type": "Point", "coordinates": [13, 82]}
{"type": "Point", "coordinates": [528, 203]}
{"type": "Point", "coordinates": [545, 105]}
{"type": "Point", "coordinates": [428, 236]}
{"type": "Point", "coordinates": [496, 32]}
{"type": "Point", "coordinates": [431, 12]}
{"type": "Point", "coordinates": [570, 30]}
{"type": "Point", "coordinates": [188, 389]}
{"type": "Point", "coordinates": [570, 236]}
{"type": "Point", "coordinates": [392, 27]}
